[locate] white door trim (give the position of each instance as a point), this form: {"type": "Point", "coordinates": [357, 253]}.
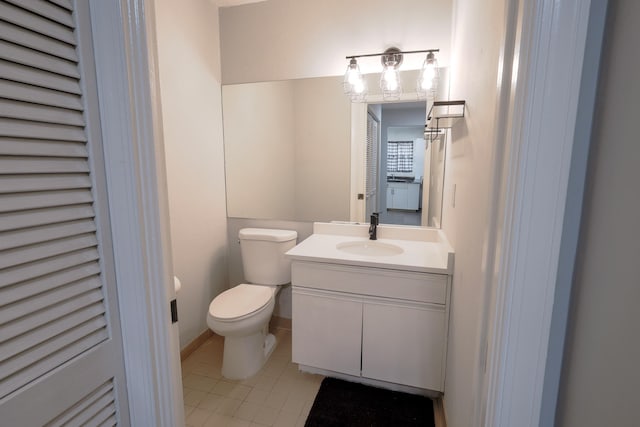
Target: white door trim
{"type": "Point", "coordinates": [549, 49]}
{"type": "Point", "coordinates": [124, 42]}
{"type": "Point", "coordinates": [550, 106]}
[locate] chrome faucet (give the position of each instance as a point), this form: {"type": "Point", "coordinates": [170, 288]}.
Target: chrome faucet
{"type": "Point", "coordinates": [373, 227]}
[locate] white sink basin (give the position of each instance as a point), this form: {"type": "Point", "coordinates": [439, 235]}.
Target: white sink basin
{"type": "Point", "coordinates": [369, 248]}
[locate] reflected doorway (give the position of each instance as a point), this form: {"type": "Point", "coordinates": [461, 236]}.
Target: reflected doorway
{"type": "Point", "coordinates": [395, 162]}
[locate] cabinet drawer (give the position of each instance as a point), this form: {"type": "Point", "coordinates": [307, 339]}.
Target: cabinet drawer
{"type": "Point", "coordinates": [413, 286]}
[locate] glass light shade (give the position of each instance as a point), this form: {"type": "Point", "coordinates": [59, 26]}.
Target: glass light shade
{"type": "Point", "coordinates": [390, 82]}
{"type": "Point", "coordinates": [359, 92]}
{"type": "Point", "coordinates": [427, 83]}
{"type": "Point", "coordinates": [353, 83]}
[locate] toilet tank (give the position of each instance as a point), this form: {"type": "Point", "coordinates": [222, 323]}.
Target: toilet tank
{"type": "Point", "coordinates": [263, 259]}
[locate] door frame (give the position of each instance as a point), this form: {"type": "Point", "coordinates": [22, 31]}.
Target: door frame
{"type": "Point", "coordinates": [519, 378]}
{"type": "Point", "coordinates": [550, 60]}
{"type": "Point", "coordinates": [129, 103]}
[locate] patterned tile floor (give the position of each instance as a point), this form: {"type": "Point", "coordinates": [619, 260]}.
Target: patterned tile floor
{"type": "Point", "coordinates": [278, 395]}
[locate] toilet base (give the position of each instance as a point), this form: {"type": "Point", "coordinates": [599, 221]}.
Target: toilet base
{"type": "Point", "coordinates": [269, 345]}
{"type": "Point", "coordinates": [244, 356]}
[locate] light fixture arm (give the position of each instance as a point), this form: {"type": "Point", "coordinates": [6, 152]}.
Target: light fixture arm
{"type": "Point", "coordinates": [399, 52]}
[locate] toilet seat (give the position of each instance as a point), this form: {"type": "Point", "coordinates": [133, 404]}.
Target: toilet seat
{"type": "Point", "coordinates": [240, 302]}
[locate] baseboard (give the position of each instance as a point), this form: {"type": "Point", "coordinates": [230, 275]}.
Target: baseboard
{"type": "Point", "coordinates": [193, 345]}
{"type": "Point", "coordinates": [439, 415]}
{"type": "Point", "coordinates": [280, 323]}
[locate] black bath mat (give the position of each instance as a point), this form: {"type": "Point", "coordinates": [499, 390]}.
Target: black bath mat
{"type": "Point", "coordinates": [342, 403]}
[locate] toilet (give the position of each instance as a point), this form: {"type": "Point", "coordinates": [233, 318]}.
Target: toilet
{"type": "Point", "coordinates": [241, 314]}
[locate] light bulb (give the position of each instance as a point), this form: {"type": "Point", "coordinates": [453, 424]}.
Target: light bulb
{"type": "Point", "coordinates": [353, 76]}
{"type": "Point", "coordinates": [390, 82]}
{"type": "Point", "coordinates": [358, 86]}
{"type": "Point", "coordinates": [391, 78]}
{"type": "Point", "coordinates": [426, 83]}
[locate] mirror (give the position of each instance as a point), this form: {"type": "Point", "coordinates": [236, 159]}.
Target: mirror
{"type": "Point", "coordinates": [288, 148]}
{"type": "Point", "coordinates": [403, 169]}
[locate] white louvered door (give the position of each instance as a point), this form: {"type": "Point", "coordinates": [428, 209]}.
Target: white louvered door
{"type": "Point", "coordinates": [371, 166]}
{"type": "Point", "coordinates": [61, 357]}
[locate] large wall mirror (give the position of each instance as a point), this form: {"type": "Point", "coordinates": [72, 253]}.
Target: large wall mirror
{"type": "Point", "coordinates": [288, 154]}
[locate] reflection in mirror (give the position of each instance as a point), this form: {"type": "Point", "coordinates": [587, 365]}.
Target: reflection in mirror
{"type": "Point", "coordinates": [395, 164]}
{"type": "Point", "coordinates": [404, 172]}
{"type": "Point", "coordinates": [288, 153]}
{"type": "Point", "coordinates": [287, 150]}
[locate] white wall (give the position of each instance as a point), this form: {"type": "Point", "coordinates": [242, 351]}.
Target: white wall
{"type": "Point", "coordinates": [477, 37]}
{"type": "Point", "coordinates": [189, 68]}
{"type": "Point", "coordinates": [600, 382]}
{"type": "Point", "coordinates": [284, 39]}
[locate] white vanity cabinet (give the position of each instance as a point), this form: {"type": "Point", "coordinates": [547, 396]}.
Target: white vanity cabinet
{"type": "Point", "coordinates": [403, 195]}
{"type": "Point", "coordinates": [373, 323]}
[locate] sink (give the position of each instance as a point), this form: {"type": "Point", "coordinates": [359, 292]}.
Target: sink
{"type": "Point", "coordinates": [369, 248]}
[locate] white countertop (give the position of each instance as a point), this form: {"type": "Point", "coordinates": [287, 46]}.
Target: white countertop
{"type": "Point", "coordinates": [424, 250]}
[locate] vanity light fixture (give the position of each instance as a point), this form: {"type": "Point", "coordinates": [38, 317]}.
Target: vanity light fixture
{"type": "Point", "coordinates": [355, 87]}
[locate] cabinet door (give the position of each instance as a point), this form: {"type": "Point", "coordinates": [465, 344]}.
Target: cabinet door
{"type": "Point", "coordinates": [404, 343]}
{"type": "Point", "coordinates": [327, 330]}
{"type": "Point", "coordinates": [401, 198]}
{"type": "Point", "coordinates": [390, 194]}
{"type": "Point", "coordinates": [397, 195]}
{"type": "Point", "coordinates": [413, 197]}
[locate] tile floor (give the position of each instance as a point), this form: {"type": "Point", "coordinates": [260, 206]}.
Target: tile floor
{"type": "Point", "coordinates": [278, 395]}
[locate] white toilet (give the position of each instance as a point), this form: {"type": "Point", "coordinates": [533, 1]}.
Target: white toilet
{"type": "Point", "coordinates": [241, 314]}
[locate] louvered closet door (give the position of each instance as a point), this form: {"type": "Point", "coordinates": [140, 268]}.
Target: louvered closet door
{"type": "Point", "coordinates": [371, 167]}
{"type": "Point", "coordinates": [60, 350]}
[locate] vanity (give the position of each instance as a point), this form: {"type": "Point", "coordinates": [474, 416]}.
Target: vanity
{"type": "Point", "coordinates": [373, 311]}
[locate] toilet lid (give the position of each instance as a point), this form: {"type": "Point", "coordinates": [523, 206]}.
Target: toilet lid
{"type": "Point", "coordinates": [240, 301]}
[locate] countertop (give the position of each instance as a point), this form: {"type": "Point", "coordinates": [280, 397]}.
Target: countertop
{"type": "Point", "coordinates": [424, 250]}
